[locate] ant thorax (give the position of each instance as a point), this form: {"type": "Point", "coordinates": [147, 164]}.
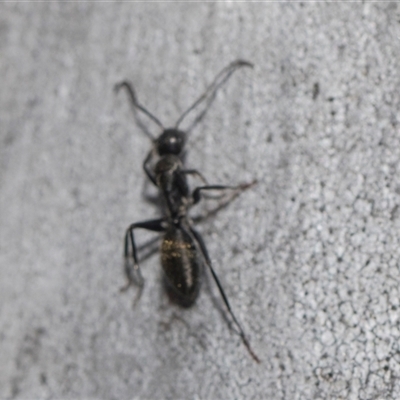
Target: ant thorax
{"type": "Point", "coordinates": [171, 179]}
{"type": "Point", "coordinates": [167, 165]}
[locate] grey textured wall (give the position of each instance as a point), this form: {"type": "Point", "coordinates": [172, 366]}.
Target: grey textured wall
{"type": "Point", "coordinates": [309, 257]}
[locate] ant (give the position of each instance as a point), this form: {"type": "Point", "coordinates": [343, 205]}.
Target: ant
{"type": "Point", "coordinates": [180, 259]}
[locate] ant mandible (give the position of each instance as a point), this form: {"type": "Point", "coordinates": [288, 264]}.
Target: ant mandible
{"type": "Point", "coordinates": [180, 259]}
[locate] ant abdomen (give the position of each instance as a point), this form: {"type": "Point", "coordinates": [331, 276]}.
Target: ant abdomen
{"type": "Point", "coordinates": [181, 265]}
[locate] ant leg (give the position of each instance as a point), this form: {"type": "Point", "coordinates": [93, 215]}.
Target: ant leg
{"type": "Point", "coordinates": [196, 195]}
{"type": "Point", "coordinates": [147, 168]}
{"type": "Point", "coordinates": [195, 172]}
{"type": "Point", "coordinates": [133, 272]}
{"type": "Point", "coordinates": [204, 251]}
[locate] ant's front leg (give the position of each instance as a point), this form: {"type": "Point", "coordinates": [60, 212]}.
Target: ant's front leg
{"type": "Point", "coordinates": [147, 168]}
{"type": "Point", "coordinates": [132, 269]}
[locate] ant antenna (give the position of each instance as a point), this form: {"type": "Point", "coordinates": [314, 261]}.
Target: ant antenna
{"type": "Point", "coordinates": [209, 94]}
{"type": "Point", "coordinates": [135, 104]}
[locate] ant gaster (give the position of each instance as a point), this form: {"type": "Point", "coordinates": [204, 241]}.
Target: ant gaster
{"type": "Point", "coordinates": [181, 262]}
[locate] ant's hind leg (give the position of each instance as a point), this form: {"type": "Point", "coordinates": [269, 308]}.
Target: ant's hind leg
{"type": "Point", "coordinates": [207, 259]}
{"type": "Point", "coordinates": [132, 269]}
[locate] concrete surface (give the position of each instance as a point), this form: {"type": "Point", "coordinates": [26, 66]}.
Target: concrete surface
{"type": "Point", "coordinates": [309, 257]}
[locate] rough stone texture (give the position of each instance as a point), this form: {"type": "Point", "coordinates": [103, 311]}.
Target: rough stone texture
{"type": "Point", "coordinates": [309, 257]}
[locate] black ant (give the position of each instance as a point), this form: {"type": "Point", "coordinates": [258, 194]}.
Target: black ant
{"type": "Point", "coordinates": [181, 243]}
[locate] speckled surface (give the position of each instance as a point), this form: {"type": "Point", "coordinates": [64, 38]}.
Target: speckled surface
{"type": "Point", "coordinates": [309, 257]}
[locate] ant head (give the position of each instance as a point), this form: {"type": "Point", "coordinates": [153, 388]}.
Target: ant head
{"type": "Point", "coordinates": [171, 141]}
